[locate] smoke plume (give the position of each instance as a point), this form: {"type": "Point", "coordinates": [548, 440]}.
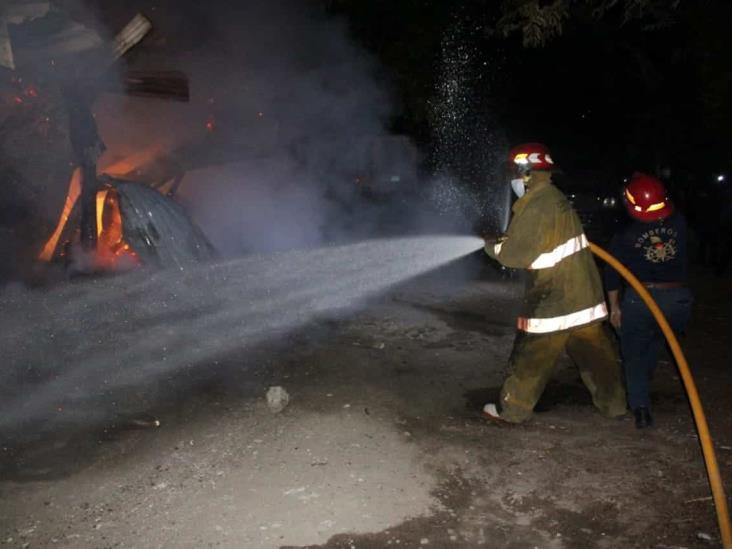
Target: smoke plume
{"type": "Point", "coordinates": [285, 116]}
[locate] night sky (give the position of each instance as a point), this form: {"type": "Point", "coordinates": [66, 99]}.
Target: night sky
{"type": "Point", "coordinates": [607, 95]}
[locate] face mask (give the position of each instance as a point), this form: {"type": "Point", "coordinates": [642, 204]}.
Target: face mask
{"type": "Point", "coordinates": [519, 187]}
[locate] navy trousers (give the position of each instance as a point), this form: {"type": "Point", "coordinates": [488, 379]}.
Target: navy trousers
{"type": "Point", "coordinates": [641, 338]}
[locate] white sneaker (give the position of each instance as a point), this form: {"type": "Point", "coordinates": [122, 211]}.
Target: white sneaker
{"type": "Point", "coordinates": [491, 411]}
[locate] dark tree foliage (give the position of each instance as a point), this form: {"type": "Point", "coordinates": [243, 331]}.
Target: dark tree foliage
{"type": "Point", "coordinates": [540, 21]}
{"type": "Point", "coordinates": [615, 84]}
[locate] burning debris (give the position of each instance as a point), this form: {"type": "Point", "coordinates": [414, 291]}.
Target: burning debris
{"type": "Point", "coordinates": [157, 228]}
{"type": "Point", "coordinates": [72, 196]}
{"type": "Point", "coordinates": [269, 148]}
{"type": "Point", "coordinates": [59, 68]}
{"type": "Point", "coordinates": [135, 225]}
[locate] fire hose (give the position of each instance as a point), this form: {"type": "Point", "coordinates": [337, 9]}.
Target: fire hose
{"type": "Point", "coordinates": [705, 439]}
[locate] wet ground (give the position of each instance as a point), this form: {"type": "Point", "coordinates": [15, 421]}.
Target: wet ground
{"type": "Point", "coordinates": [382, 444]}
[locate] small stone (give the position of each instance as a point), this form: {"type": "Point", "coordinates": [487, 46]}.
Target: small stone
{"type": "Point", "coordinates": [277, 399]}
{"type": "Point", "coordinates": [424, 541]}
{"type": "Point", "coordinates": [704, 536]}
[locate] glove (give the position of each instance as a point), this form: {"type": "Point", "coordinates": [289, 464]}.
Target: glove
{"type": "Point", "coordinates": [490, 245]}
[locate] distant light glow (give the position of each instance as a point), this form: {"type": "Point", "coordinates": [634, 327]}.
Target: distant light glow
{"type": "Point", "coordinates": [721, 177]}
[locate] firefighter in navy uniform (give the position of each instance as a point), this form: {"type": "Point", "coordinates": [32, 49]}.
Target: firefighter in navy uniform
{"type": "Point", "coordinates": [653, 246]}
{"type": "Point", "coordinates": [564, 305]}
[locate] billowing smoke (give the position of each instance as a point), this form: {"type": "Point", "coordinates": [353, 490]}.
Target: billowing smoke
{"type": "Point", "coordinates": [284, 135]}
{"type": "Point", "coordinates": [286, 124]}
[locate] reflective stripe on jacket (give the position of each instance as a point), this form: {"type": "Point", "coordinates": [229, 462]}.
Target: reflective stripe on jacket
{"type": "Point", "coordinates": [564, 289]}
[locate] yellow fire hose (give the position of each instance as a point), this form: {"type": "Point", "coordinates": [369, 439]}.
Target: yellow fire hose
{"type": "Point", "coordinates": [710, 458]}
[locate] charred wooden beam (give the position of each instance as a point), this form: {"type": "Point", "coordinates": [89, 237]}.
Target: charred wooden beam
{"type": "Point", "coordinates": [160, 84]}
{"type": "Point", "coordinates": [131, 35]}
{"type": "Point", "coordinates": [87, 147]}
{"type": "Point", "coordinates": [96, 68]}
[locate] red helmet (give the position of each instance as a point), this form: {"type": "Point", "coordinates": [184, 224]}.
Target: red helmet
{"type": "Point", "coordinates": [531, 156]}
{"type": "Point", "coordinates": [646, 198]}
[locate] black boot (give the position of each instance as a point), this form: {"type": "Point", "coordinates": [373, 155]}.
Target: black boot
{"type": "Point", "coordinates": [643, 418]}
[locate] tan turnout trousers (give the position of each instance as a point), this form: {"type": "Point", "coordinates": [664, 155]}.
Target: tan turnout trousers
{"type": "Point", "coordinates": [534, 358]}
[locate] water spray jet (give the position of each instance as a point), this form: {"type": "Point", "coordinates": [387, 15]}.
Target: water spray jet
{"type": "Point", "coordinates": [83, 345]}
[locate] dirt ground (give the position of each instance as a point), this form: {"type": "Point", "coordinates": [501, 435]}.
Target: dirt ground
{"type": "Point", "coordinates": [382, 445]}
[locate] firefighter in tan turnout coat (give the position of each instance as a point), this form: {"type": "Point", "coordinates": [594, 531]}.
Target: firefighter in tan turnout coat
{"type": "Point", "coordinates": [564, 306]}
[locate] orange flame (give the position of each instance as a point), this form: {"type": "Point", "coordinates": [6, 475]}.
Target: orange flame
{"type": "Point", "coordinates": [101, 197]}
{"type": "Point", "coordinates": [134, 161]}
{"type": "Point", "coordinates": [113, 252]}
{"type": "Point", "coordinates": [71, 197]}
